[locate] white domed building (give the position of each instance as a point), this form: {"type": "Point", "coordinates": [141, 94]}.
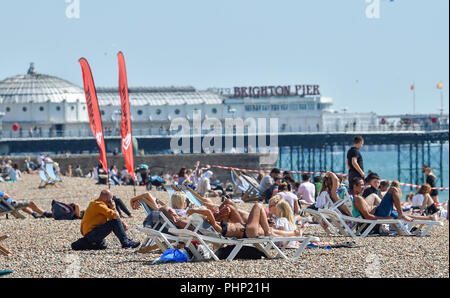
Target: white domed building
{"type": "Point", "coordinates": [48, 106]}
{"type": "Point", "coordinates": [42, 105]}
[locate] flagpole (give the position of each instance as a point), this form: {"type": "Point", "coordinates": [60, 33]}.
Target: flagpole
{"type": "Point", "coordinates": [414, 98]}
{"type": "Point", "coordinates": [442, 107]}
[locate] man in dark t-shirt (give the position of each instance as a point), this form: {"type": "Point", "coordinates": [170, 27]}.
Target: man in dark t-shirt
{"type": "Point", "coordinates": [354, 159]}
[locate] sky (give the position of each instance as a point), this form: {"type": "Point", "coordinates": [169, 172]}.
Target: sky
{"type": "Point", "coordinates": [365, 64]}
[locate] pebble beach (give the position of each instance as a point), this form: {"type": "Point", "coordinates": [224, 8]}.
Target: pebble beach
{"type": "Point", "coordinates": [40, 248]}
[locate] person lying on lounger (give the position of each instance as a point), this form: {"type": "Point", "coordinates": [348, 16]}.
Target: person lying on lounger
{"type": "Point", "coordinates": [256, 225]}
{"type": "Point", "coordinates": [389, 207]}
{"type": "Point", "coordinates": [333, 189]}
{"type": "Point", "coordinates": [423, 202]}
{"type": "Point", "coordinates": [29, 207]}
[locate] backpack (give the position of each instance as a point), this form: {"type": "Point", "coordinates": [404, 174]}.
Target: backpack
{"type": "Point", "coordinates": [61, 211]}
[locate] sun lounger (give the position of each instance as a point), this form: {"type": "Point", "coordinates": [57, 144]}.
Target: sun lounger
{"type": "Point", "coordinates": [3, 250]}
{"type": "Point", "coordinates": [361, 227]}
{"type": "Point", "coordinates": [205, 234]}
{"type": "Point", "coordinates": [337, 223]}
{"type": "Point", "coordinates": [193, 197]}
{"type": "Point", "coordinates": [45, 180]}
{"type": "Point", "coordinates": [6, 208]}
{"type": "Point", "coordinates": [333, 221]}
{"type": "Point", "coordinates": [50, 170]}
{"type": "Point", "coordinates": [425, 226]}
{"type": "Point", "coordinates": [248, 186]}
{"type": "Point", "coordinates": [158, 236]}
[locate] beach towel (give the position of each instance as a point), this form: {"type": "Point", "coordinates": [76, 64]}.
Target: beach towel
{"type": "Point", "coordinates": [332, 244]}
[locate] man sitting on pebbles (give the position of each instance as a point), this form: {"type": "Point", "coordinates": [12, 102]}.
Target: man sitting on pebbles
{"type": "Point", "coordinates": [100, 219]}
{"type": "Point", "coordinates": [29, 207]}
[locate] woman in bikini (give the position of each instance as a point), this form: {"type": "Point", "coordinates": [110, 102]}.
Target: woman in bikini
{"type": "Point", "coordinates": [257, 225]}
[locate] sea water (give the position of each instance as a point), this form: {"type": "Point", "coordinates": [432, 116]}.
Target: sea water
{"type": "Point", "coordinates": [383, 160]}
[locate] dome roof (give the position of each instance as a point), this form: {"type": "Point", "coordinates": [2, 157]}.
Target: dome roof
{"type": "Point", "coordinates": [38, 88]}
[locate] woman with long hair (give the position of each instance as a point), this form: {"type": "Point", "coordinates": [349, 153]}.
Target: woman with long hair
{"type": "Point", "coordinates": [422, 200]}
{"type": "Point", "coordinates": [284, 221]}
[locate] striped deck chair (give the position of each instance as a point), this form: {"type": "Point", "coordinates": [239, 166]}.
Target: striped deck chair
{"type": "Point", "coordinates": [3, 250]}
{"type": "Point", "coordinates": [45, 180]}
{"type": "Point", "coordinates": [50, 171]}
{"type": "Point", "coordinates": [6, 208]}
{"type": "Point", "coordinates": [193, 197]}
{"type": "Point", "coordinates": [248, 186]}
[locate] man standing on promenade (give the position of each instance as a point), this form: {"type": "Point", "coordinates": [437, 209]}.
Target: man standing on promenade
{"type": "Point", "coordinates": [100, 219]}
{"type": "Point", "coordinates": [354, 159]}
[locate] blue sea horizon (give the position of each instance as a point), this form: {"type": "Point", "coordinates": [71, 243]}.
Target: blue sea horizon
{"type": "Point", "coordinates": [383, 159]}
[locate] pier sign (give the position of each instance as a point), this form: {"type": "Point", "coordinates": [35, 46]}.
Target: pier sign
{"type": "Point", "coordinates": [278, 91]}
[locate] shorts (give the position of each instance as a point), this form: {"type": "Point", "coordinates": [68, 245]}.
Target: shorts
{"type": "Point", "coordinates": [386, 208]}
{"type": "Point", "coordinates": [20, 205]}
{"type": "Point", "coordinates": [431, 210]}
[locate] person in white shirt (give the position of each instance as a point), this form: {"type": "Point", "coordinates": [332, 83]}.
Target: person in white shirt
{"type": "Point", "coordinates": [307, 191]}
{"type": "Point", "coordinates": [204, 188]}
{"type": "Point", "coordinates": [289, 197]}
{"type": "Point", "coordinates": [284, 221]}
{"type": "Point", "coordinates": [423, 201]}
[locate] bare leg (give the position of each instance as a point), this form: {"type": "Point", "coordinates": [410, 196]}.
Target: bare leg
{"type": "Point", "coordinates": [27, 210]}
{"type": "Point", "coordinates": [373, 200]}
{"type": "Point", "coordinates": [134, 202]}
{"type": "Point", "coordinates": [434, 217]}
{"type": "Point", "coordinates": [77, 211]}
{"type": "Point", "coordinates": [258, 225]}
{"type": "Point", "coordinates": [435, 200]}
{"type": "Point", "coordinates": [35, 208]}
{"type": "Point", "coordinates": [257, 219]}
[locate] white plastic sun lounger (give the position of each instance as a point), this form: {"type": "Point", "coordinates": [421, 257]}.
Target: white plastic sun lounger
{"type": "Point", "coordinates": [157, 235]}
{"type": "Point", "coordinates": [205, 234]}
{"type": "Point", "coordinates": [338, 223]}
{"type": "Point", "coordinates": [425, 226]}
